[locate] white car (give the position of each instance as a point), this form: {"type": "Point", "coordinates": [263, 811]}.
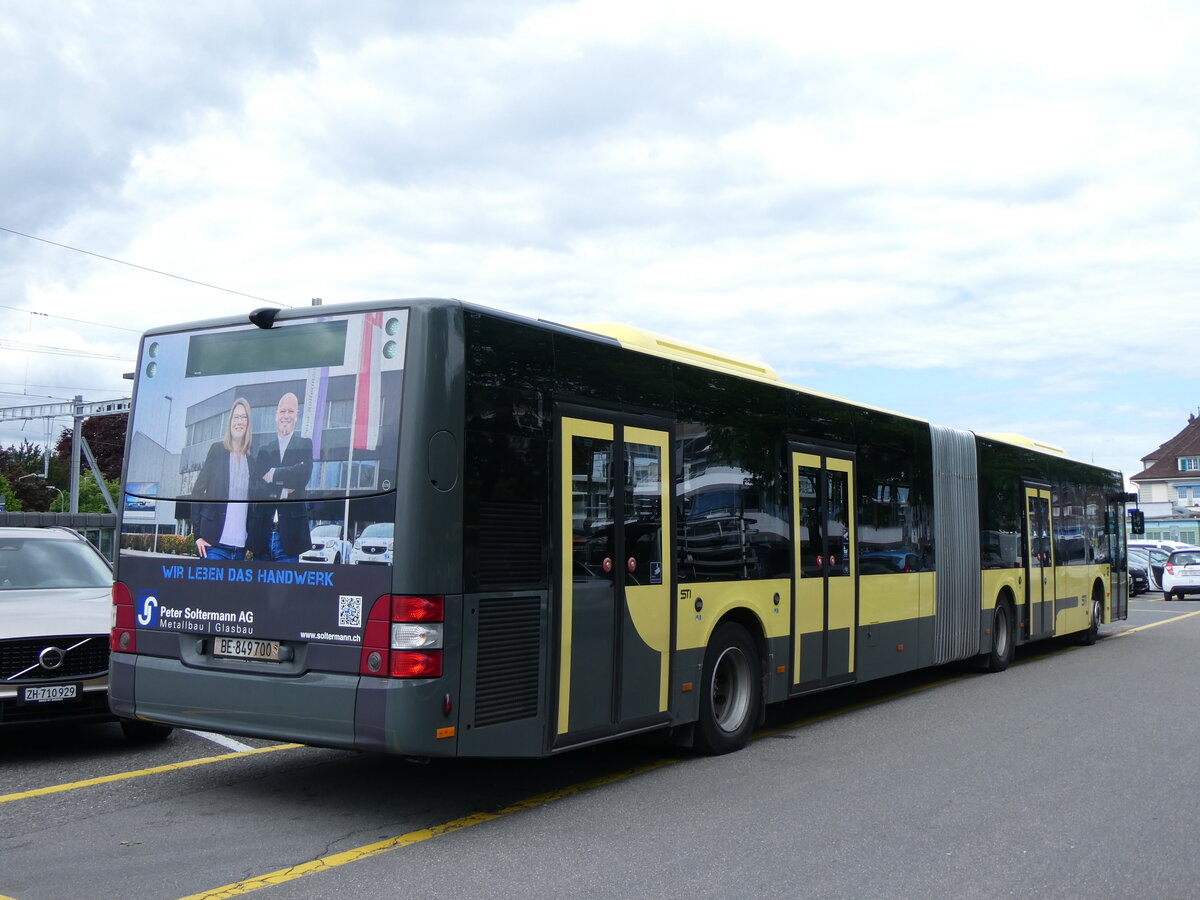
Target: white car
{"type": "Point", "coordinates": [55, 621]}
{"type": "Point", "coordinates": [1181, 574]}
{"type": "Point", "coordinates": [327, 546]}
{"type": "Point", "coordinates": [374, 545]}
{"type": "Point", "coordinates": [1162, 545]}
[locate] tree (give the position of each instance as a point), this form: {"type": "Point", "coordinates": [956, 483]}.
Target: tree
{"type": "Point", "coordinates": [23, 467]}
{"type": "Point", "coordinates": [11, 502]}
{"type": "Point", "coordinates": [26, 458]}
{"type": "Point", "coordinates": [90, 498]}
{"type": "Point", "coordinates": [105, 435]}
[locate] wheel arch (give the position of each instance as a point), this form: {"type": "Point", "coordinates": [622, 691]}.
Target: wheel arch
{"type": "Point", "coordinates": [748, 620]}
{"type": "Point", "coordinates": [1007, 595]}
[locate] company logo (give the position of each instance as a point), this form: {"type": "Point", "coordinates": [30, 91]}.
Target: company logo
{"type": "Point", "coordinates": [51, 658]}
{"type": "Point", "coordinates": [147, 610]}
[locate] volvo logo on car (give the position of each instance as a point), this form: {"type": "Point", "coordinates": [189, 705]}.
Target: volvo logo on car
{"type": "Point", "coordinates": [51, 658]}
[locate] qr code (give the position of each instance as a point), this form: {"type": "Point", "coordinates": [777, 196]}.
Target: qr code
{"type": "Point", "coordinates": [349, 612]}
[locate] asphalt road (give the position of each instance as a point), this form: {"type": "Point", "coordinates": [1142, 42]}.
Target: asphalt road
{"type": "Point", "coordinates": [1073, 774]}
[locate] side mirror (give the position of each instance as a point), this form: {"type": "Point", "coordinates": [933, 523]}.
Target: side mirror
{"type": "Point", "coordinates": [1137, 522]}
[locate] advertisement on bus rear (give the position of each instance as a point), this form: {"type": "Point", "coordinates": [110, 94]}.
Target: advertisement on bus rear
{"type": "Point", "coordinates": [261, 475]}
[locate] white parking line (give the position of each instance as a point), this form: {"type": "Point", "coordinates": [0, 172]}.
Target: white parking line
{"type": "Point", "coordinates": [222, 741]}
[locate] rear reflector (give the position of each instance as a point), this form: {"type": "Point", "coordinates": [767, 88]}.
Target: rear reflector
{"type": "Point", "coordinates": [416, 664]}
{"type": "Point", "coordinates": [403, 637]}
{"type": "Point", "coordinates": [123, 638]}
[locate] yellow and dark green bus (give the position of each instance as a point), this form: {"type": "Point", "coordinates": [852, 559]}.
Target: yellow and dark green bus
{"type": "Point", "coordinates": [428, 528]}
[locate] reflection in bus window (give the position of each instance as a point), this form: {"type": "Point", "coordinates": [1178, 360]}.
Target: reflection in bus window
{"type": "Point", "coordinates": [731, 522]}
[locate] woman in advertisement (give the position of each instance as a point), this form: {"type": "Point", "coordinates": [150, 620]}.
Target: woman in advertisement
{"type": "Point", "coordinates": [220, 525]}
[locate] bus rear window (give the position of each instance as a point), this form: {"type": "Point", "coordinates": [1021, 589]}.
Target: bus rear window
{"type": "Point", "coordinates": [310, 407]}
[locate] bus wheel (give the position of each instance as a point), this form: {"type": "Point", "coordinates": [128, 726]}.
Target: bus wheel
{"type": "Point", "coordinates": [1093, 630]}
{"type": "Point", "coordinates": [730, 691]}
{"type": "Point", "coordinates": [1000, 655]}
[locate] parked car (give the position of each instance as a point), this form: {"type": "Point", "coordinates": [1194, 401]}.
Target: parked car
{"type": "Point", "coordinates": [1139, 581]}
{"type": "Point", "coordinates": [1181, 575]}
{"type": "Point", "coordinates": [55, 616]}
{"type": "Point", "coordinates": [374, 545]}
{"type": "Point", "coordinates": [883, 562]}
{"type": "Point", "coordinates": [1152, 560]}
{"type": "Point", "coordinates": [1162, 545]}
{"type": "Point", "coordinates": [327, 546]}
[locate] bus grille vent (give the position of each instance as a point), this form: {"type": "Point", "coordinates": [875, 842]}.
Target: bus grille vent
{"type": "Point", "coordinates": [509, 659]}
{"type": "Point", "coordinates": [510, 545]}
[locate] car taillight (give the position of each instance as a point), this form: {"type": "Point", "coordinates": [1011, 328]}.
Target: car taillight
{"type": "Point", "coordinates": [403, 637]}
{"type": "Point", "coordinates": [1170, 568]}
{"type": "Point", "coordinates": [123, 638]}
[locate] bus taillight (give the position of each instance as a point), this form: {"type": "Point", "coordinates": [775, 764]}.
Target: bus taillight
{"type": "Point", "coordinates": [418, 609]}
{"type": "Point", "coordinates": [123, 637]}
{"type": "Point", "coordinates": [403, 637]}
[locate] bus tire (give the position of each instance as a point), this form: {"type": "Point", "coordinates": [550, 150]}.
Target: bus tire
{"type": "Point", "coordinates": [998, 658]}
{"type": "Point", "coordinates": [1092, 633]}
{"type": "Point", "coordinates": [730, 691]}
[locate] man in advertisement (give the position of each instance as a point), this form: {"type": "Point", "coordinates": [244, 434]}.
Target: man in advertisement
{"type": "Point", "coordinates": [279, 530]}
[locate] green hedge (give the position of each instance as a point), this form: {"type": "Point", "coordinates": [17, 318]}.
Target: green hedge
{"type": "Point", "coordinates": [176, 544]}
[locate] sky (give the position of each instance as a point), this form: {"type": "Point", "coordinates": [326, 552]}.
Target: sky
{"type": "Point", "coordinates": [983, 216]}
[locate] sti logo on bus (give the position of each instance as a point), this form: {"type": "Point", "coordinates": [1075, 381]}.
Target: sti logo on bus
{"type": "Point", "coordinates": [147, 607]}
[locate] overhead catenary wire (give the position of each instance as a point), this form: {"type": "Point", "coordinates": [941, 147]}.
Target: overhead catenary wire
{"type": "Point", "coordinates": [45, 315]}
{"type": "Point", "coordinates": [34, 237]}
{"type": "Point", "coordinates": [59, 351]}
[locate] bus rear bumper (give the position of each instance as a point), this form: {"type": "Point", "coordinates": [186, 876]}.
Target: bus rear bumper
{"type": "Point", "coordinates": [314, 708]}
{"type": "Point", "coordinates": [344, 711]}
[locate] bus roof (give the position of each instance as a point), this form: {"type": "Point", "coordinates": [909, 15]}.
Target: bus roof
{"type": "Point", "coordinates": [633, 338]}
{"type": "Point", "coordinates": [1028, 443]}
{"type": "Point", "coordinates": [629, 337]}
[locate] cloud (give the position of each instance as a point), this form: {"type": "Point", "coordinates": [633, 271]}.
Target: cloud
{"type": "Point", "coordinates": [924, 190]}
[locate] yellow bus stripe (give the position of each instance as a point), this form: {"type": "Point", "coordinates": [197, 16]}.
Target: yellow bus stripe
{"type": "Point", "coordinates": [138, 773]}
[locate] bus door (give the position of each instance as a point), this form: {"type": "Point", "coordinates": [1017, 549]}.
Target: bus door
{"type": "Point", "coordinates": [826, 607]}
{"type": "Point", "coordinates": [1117, 558]}
{"type": "Point", "coordinates": [615, 577]}
{"type": "Point", "coordinates": [1039, 560]}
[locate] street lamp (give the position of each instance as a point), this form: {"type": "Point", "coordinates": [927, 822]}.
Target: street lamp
{"type": "Point", "coordinates": [52, 487]}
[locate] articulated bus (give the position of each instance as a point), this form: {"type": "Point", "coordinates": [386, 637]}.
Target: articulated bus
{"type": "Point", "coordinates": [428, 528]}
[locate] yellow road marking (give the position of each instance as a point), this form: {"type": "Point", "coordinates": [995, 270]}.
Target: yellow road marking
{"type": "Point", "coordinates": [325, 863]}
{"type": "Point", "coordinates": [138, 773]}
{"type": "Point", "coordinates": [1156, 624]}
{"type": "Point", "coordinates": [415, 837]}
{"type": "Point", "coordinates": [366, 851]}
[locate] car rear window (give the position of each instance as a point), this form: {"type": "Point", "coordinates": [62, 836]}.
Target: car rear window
{"type": "Point", "coordinates": [1185, 558]}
